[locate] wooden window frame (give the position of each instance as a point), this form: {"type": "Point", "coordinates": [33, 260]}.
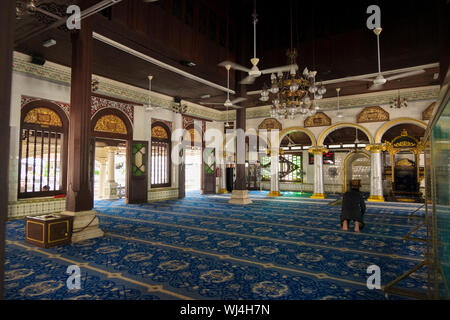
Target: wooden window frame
{"type": "Point", "coordinates": [63, 131]}
{"type": "Point", "coordinates": [159, 143]}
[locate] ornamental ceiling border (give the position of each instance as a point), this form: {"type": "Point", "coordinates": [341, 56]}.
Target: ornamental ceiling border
{"type": "Point", "coordinates": [62, 75]}
{"type": "Point", "coordinates": [59, 74]}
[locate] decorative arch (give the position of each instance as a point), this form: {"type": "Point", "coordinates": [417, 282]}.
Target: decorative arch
{"type": "Point", "coordinates": [192, 131]}
{"type": "Point", "coordinates": [111, 123]}
{"type": "Point", "coordinates": [45, 104]}
{"type": "Point", "coordinates": [161, 148]}
{"type": "Point", "coordinates": [44, 128]}
{"type": "Point", "coordinates": [348, 157]}
{"type": "Point", "coordinates": [328, 130]}
{"type": "Point", "coordinates": [286, 131]}
{"type": "Point", "coordinates": [385, 127]}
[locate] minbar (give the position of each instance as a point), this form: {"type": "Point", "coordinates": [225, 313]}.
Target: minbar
{"type": "Point", "coordinates": [48, 230]}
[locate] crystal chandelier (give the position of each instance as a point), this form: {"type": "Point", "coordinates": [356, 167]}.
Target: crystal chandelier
{"type": "Point", "coordinates": [399, 102]}
{"type": "Point", "coordinates": [293, 93]}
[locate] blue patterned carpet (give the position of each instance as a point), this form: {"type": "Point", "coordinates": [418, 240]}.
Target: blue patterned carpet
{"type": "Point", "coordinates": [201, 247]}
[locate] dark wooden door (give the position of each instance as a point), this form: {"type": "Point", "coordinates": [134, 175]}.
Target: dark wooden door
{"type": "Point", "coordinates": [252, 177]}
{"type": "Point", "coordinates": [137, 159]}
{"type": "Point", "coordinates": [181, 174]}
{"type": "Point", "coordinates": [209, 171]}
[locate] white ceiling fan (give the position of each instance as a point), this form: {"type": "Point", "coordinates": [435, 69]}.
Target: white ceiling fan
{"type": "Point", "coordinates": [379, 80]}
{"type": "Point", "coordinates": [228, 103]}
{"type": "Point", "coordinates": [149, 107]}
{"type": "Point", "coordinates": [254, 72]}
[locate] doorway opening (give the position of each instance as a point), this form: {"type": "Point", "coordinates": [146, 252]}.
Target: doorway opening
{"type": "Point", "coordinates": [193, 168]}
{"type": "Point", "coordinates": [110, 174]}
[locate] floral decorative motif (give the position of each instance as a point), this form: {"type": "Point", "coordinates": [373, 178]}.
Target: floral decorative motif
{"type": "Point", "coordinates": [43, 116]}
{"type": "Point", "coordinates": [159, 132]}
{"type": "Point", "coordinates": [173, 265]}
{"type": "Point", "coordinates": [270, 289]}
{"type": "Point", "coordinates": [112, 124]}
{"type": "Point", "coordinates": [98, 103]}
{"type": "Point", "coordinates": [372, 114]}
{"type": "Point", "coordinates": [216, 276]}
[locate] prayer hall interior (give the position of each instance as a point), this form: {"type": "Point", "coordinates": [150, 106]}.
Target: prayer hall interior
{"type": "Point", "coordinates": [203, 149]}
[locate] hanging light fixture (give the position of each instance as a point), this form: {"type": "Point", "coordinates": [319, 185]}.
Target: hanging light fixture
{"type": "Point", "coordinates": [339, 113]}
{"type": "Point", "coordinates": [293, 93]}
{"type": "Point", "coordinates": [398, 103]}
{"type": "Point", "coordinates": [149, 107]}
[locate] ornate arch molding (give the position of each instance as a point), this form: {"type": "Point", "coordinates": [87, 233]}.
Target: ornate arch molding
{"type": "Point", "coordinates": [113, 133]}
{"type": "Point", "coordinates": [328, 130]}
{"type": "Point", "coordinates": [45, 104]}
{"type": "Point", "coordinates": [385, 127]}
{"type": "Point", "coordinates": [286, 131]}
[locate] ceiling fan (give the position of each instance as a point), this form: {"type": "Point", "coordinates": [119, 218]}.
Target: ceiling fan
{"type": "Point", "coordinates": [228, 103]}
{"type": "Point", "coordinates": [254, 71]}
{"type": "Point", "coordinates": [150, 107]}
{"type": "Point", "coordinates": [379, 80]}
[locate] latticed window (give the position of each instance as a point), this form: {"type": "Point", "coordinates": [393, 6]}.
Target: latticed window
{"type": "Point", "coordinates": [291, 167]}
{"type": "Point", "coordinates": [160, 156]}
{"type": "Point", "coordinates": [42, 153]}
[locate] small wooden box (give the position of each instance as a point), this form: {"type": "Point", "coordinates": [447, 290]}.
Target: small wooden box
{"type": "Point", "coordinates": [48, 230]}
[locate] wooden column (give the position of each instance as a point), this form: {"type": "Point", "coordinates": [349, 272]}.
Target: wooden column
{"type": "Point", "coordinates": [79, 188]}
{"type": "Point", "coordinates": [240, 149]}
{"type": "Point", "coordinates": [7, 22]}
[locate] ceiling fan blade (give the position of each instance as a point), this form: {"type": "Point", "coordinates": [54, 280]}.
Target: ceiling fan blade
{"type": "Point", "coordinates": [280, 69]}
{"type": "Point", "coordinates": [234, 66]}
{"type": "Point", "coordinates": [375, 87]}
{"type": "Point", "coordinates": [365, 80]}
{"type": "Point", "coordinates": [212, 103]}
{"type": "Point", "coordinates": [237, 100]}
{"type": "Point", "coordinates": [252, 93]}
{"type": "Point", "coordinates": [248, 80]}
{"type": "Point", "coordinates": [236, 107]}
{"type": "Point", "coordinates": [406, 74]}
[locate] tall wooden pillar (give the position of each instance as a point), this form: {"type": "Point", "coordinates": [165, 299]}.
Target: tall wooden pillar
{"type": "Point", "coordinates": [79, 191]}
{"type": "Point", "coordinates": [240, 193]}
{"type": "Point", "coordinates": [240, 150]}
{"type": "Point", "coordinates": [7, 22]}
{"type": "Point", "coordinates": [80, 199]}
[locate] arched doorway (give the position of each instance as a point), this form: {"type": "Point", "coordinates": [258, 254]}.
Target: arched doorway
{"type": "Point", "coordinates": [357, 167]}
{"type": "Point", "coordinates": [193, 146]}
{"type": "Point", "coordinates": [112, 133]}
{"type": "Point", "coordinates": [346, 158]}
{"type": "Point", "coordinates": [404, 162]}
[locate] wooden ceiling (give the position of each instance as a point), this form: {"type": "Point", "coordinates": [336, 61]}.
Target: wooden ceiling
{"type": "Point", "coordinates": [345, 135]}
{"type": "Point", "coordinates": [336, 48]}
{"type": "Point", "coordinates": [412, 129]}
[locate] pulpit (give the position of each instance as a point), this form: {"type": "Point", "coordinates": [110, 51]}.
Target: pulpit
{"type": "Point", "coordinates": [405, 172]}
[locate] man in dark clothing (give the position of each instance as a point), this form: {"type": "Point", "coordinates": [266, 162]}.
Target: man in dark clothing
{"type": "Point", "coordinates": [353, 207]}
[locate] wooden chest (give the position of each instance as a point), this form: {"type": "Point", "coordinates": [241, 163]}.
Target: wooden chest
{"type": "Point", "coordinates": [48, 230]}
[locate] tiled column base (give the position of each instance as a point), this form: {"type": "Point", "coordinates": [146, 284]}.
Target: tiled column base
{"type": "Point", "coordinates": [376, 199]}
{"type": "Point", "coordinates": [240, 197]}
{"type": "Point", "coordinates": [274, 194]}
{"type": "Point", "coordinates": [318, 196]}
{"type": "Point", "coordinates": [85, 225]}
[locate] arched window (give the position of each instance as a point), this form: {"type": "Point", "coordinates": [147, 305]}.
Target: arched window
{"type": "Point", "coordinates": [43, 150]}
{"type": "Point", "coordinates": [160, 156]}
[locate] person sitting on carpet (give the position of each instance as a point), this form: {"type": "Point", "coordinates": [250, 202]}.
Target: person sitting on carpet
{"type": "Point", "coordinates": [353, 207]}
